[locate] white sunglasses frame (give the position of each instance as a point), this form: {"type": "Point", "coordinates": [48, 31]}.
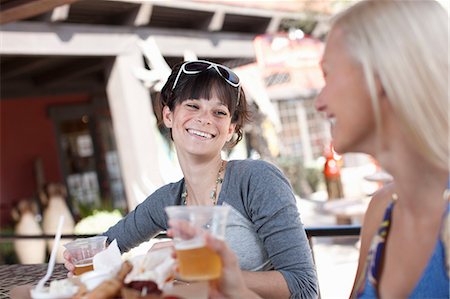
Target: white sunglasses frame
{"type": "Point", "coordinates": [211, 65]}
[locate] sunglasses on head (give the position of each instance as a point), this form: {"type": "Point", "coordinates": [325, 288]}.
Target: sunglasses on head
{"type": "Point", "coordinates": [198, 66]}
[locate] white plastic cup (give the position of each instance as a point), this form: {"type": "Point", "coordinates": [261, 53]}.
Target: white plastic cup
{"type": "Point", "coordinates": [83, 252]}
{"type": "Point", "coordinates": [196, 262]}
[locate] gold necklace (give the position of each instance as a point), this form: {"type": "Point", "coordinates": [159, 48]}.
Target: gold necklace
{"type": "Point", "coordinates": [213, 194]}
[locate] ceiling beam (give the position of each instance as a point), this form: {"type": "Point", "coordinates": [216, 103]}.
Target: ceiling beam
{"type": "Point", "coordinates": [24, 89]}
{"type": "Point", "coordinates": [22, 67]}
{"type": "Point", "coordinates": [143, 15]}
{"type": "Point", "coordinates": [69, 72]}
{"type": "Point", "coordinates": [60, 13]}
{"type": "Point", "coordinates": [274, 25]}
{"type": "Point", "coordinates": [22, 9]}
{"type": "Point", "coordinates": [216, 23]}
{"type": "Point", "coordinates": [225, 7]}
{"type": "Point", "coordinates": [61, 39]}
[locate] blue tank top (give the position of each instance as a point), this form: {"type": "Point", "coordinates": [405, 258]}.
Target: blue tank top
{"type": "Point", "coordinates": [434, 282]}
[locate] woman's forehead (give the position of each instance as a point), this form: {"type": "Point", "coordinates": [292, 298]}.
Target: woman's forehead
{"type": "Point", "coordinates": [213, 100]}
{"type": "Point", "coordinates": [210, 87]}
{"type": "Point", "coordinates": [336, 51]}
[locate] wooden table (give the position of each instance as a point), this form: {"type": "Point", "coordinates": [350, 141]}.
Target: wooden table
{"type": "Point", "coordinates": [13, 276]}
{"type": "Point", "coordinates": [16, 275]}
{"type": "Point", "coordinates": [353, 209]}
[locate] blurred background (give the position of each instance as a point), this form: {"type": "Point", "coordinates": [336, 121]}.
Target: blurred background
{"type": "Point", "coordinates": [78, 83]}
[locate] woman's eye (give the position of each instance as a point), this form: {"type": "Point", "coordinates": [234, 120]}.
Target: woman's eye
{"type": "Point", "coordinates": [221, 113]}
{"type": "Point", "coordinates": [193, 106]}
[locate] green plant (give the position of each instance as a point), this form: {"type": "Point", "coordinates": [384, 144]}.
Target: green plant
{"type": "Point", "coordinates": [7, 251]}
{"type": "Point", "coordinates": [315, 178]}
{"type": "Point", "coordinates": [98, 222]}
{"type": "Point", "coordinates": [294, 169]}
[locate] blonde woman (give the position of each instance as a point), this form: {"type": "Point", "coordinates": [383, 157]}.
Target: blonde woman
{"type": "Point", "coordinates": [386, 94]}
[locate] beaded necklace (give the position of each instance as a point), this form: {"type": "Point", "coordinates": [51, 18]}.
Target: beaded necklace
{"type": "Point", "coordinates": [213, 194]}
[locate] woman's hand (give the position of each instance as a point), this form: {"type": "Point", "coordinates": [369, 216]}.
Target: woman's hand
{"type": "Point", "coordinates": [68, 263]}
{"type": "Point", "coordinates": [160, 245]}
{"type": "Point", "coordinates": [231, 284]}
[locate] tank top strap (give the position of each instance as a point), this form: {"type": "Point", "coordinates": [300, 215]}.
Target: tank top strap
{"type": "Point", "coordinates": [372, 264]}
{"type": "Point", "coordinates": [445, 230]}
{"type": "Point", "coordinates": [377, 249]}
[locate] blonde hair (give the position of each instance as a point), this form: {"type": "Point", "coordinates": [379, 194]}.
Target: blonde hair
{"type": "Point", "coordinates": [405, 45]}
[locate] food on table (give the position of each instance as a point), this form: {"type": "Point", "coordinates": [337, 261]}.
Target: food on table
{"type": "Point", "coordinates": [58, 289]}
{"type": "Point", "coordinates": [143, 277]}
{"type": "Point", "coordinates": [144, 286]}
{"type": "Point", "coordinates": [109, 288]}
{"type": "Point", "coordinates": [156, 265]}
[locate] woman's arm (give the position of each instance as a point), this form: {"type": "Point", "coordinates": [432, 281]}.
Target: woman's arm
{"type": "Point", "coordinates": [267, 284]}
{"type": "Point", "coordinates": [372, 220]}
{"type": "Point", "coordinates": [274, 213]}
{"type": "Point", "coordinates": [231, 284]}
{"type": "Point", "coordinates": [146, 220]}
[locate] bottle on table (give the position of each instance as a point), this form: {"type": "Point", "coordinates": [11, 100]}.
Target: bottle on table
{"type": "Point", "coordinates": [332, 175]}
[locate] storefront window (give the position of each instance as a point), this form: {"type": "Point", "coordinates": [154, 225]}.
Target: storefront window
{"type": "Point", "coordinates": [89, 159]}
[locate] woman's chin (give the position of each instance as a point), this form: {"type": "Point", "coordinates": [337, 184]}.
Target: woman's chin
{"type": "Point", "coordinates": [345, 147]}
{"type": "Point", "coordinates": [340, 147]}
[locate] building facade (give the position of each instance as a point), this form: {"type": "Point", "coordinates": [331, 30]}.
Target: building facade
{"type": "Point", "coordinates": [76, 94]}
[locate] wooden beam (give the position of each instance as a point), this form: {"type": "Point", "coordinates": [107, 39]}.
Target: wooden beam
{"type": "Point", "coordinates": [60, 13]}
{"type": "Point", "coordinates": [216, 23]}
{"type": "Point", "coordinates": [22, 67]}
{"type": "Point", "coordinates": [61, 39]}
{"type": "Point", "coordinates": [274, 25]}
{"type": "Point", "coordinates": [241, 9]}
{"type": "Point", "coordinates": [143, 15]}
{"type": "Point", "coordinates": [70, 72]}
{"type": "Point", "coordinates": [19, 10]}
{"type": "Point", "coordinates": [24, 89]}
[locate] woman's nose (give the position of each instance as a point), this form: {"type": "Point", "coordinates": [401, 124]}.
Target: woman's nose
{"type": "Point", "coordinates": [203, 117]}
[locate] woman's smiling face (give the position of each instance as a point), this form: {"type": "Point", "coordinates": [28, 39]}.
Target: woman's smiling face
{"type": "Point", "coordinates": [200, 126]}
{"type": "Point", "coordinates": [345, 98]}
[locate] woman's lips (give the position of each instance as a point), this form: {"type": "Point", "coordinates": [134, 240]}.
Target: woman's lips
{"type": "Point", "coordinates": [200, 133]}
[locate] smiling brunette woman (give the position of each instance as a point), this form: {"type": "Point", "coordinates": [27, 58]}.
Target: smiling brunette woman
{"type": "Point", "coordinates": [204, 108]}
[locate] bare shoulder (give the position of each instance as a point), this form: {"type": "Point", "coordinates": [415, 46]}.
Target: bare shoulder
{"type": "Point", "coordinates": [376, 209]}
{"type": "Point", "coordinates": [372, 220]}
{"type": "Point", "coordinates": [379, 203]}
{"type": "Point", "coordinates": [374, 215]}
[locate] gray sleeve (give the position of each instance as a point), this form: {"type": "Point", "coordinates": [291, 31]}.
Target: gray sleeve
{"type": "Point", "coordinates": [146, 220]}
{"type": "Point", "coordinates": [273, 210]}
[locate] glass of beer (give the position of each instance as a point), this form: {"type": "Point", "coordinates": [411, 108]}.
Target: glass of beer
{"type": "Point", "coordinates": [83, 252]}
{"type": "Point", "coordinates": [196, 262]}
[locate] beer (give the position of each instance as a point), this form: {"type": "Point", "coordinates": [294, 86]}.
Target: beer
{"type": "Point", "coordinates": [198, 263]}
{"type": "Point", "coordinates": [83, 251]}
{"type": "Point", "coordinates": [83, 266]}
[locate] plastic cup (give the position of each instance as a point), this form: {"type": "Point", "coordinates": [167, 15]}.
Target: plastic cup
{"type": "Point", "coordinates": [196, 262]}
{"type": "Point", "coordinates": [83, 251]}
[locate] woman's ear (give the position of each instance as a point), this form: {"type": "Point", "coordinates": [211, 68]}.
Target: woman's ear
{"type": "Point", "coordinates": [167, 117]}
{"type": "Point", "coordinates": [231, 131]}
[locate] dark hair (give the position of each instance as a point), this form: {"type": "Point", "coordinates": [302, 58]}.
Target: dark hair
{"type": "Point", "coordinates": [205, 85]}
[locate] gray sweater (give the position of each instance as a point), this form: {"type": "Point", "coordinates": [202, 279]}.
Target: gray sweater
{"type": "Point", "coordinates": [264, 227]}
